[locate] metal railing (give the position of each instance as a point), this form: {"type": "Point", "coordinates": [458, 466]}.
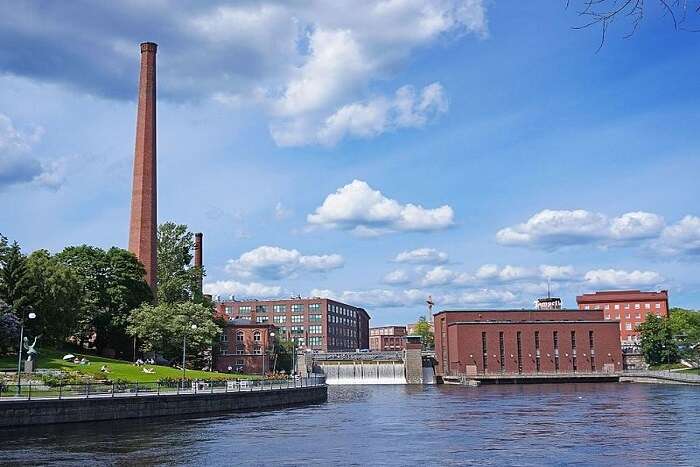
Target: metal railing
{"type": "Point", "coordinates": [32, 391]}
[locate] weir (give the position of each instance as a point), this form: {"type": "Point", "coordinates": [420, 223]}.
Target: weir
{"type": "Point", "coordinates": [363, 372]}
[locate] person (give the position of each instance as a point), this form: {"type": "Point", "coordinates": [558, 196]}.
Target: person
{"type": "Point", "coordinates": [104, 369]}
{"type": "Point", "coordinates": [139, 362]}
{"type": "Point", "coordinates": [83, 361]}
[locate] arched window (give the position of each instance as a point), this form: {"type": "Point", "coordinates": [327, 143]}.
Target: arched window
{"type": "Point", "coordinates": [257, 336]}
{"type": "Point", "coordinates": [239, 336]}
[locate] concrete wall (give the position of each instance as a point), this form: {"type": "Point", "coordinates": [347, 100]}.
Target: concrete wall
{"type": "Point", "coordinates": [39, 412]}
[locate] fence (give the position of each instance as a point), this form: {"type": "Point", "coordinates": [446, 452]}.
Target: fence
{"type": "Point", "coordinates": [30, 391]}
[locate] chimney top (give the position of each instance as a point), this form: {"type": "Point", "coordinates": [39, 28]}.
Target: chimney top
{"type": "Point", "coordinates": [148, 47]}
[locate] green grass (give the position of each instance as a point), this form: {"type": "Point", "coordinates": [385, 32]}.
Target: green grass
{"type": "Point", "coordinates": [118, 369]}
{"type": "Point", "coordinates": [692, 371]}
{"type": "Point", "coordinates": [666, 366]}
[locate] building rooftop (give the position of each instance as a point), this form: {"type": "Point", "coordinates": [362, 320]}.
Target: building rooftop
{"type": "Point", "coordinates": [621, 295]}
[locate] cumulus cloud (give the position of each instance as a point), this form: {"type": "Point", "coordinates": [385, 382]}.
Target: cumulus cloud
{"type": "Point", "coordinates": [384, 298]}
{"type": "Point", "coordinates": [555, 228]}
{"type": "Point", "coordinates": [304, 61]}
{"type": "Point", "coordinates": [17, 163]}
{"type": "Point", "coordinates": [682, 238]}
{"type": "Point", "coordinates": [273, 262]}
{"type": "Point", "coordinates": [251, 289]}
{"type": "Point", "coordinates": [619, 279]}
{"type": "Point", "coordinates": [367, 212]}
{"type": "Point", "coordinates": [397, 276]}
{"type": "Point", "coordinates": [422, 256]}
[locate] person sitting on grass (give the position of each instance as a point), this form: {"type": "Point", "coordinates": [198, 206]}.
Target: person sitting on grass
{"type": "Point", "coordinates": [149, 370]}
{"type": "Point", "coordinates": [104, 369]}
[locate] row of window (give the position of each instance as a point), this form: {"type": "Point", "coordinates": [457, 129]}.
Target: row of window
{"type": "Point", "coordinates": [629, 316]}
{"type": "Point", "coordinates": [637, 306]}
{"type": "Point", "coordinates": [295, 308]}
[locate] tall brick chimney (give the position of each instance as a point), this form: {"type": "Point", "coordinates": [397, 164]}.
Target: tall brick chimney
{"type": "Point", "coordinates": [144, 218]}
{"type": "Point", "coordinates": [198, 258]}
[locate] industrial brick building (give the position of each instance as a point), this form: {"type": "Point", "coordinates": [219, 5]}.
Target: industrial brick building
{"type": "Point", "coordinates": [473, 342]}
{"type": "Point", "coordinates": [246, 347]}
{"type": "Point", "coordinates": [387, 338]}
{"type": "Point", "coordinates": [314, 323]}
{"type": "Point", "coordinates": [629, 307]}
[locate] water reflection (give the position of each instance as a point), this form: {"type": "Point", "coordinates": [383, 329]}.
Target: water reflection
{"type": "Point", "coordinates": [400, 425]}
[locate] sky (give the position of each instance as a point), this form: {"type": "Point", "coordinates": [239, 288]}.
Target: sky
{"type": "Point", "coordinates": [372, 152]}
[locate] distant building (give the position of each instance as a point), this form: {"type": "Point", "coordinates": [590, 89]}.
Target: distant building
{"type": "Point", "coordinates": [629, 307]}
{"type": "Point", "coordinates": [314, 323]}
{"type": "Point", "coordinates": [411, 328]}
{"type": "Point", "coordinates": [472, 342]}
{"type": "Point", "coordinates": [246, 347]}
{"type": "Point", "coordinates": [387, 338]}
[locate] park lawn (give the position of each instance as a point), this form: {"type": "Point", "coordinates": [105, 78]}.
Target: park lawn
{"type": "Point", "coordinates": [118, 369]}
{"type": "Point", "coordinates": [692, 371]}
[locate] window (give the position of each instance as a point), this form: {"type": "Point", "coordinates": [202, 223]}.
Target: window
{"type": "Point", "coordinates": [317, 317]}
{"type": "Point", "coordinates": [300, 341]}
{"type": "Point", "coordinates": [239, 362]}
{"type": "Point", "coordinates": [261, 308]}
{"type": "Point", "coordinates": [573, 340]}
{"type": "Point", "coordinates": [228, 310]}
{"type": "Point", "coordinates": [617, 306]}
{"type": "Point", "coordinates": [627, 306]}
{"type": "Point", "coordinates": [315, 340]}
{"type": "Point", "coordinates": [257, 337]}
{"type": "Point", "coordinates": [627, 316]}
{"type": "Point", "coordinates": [279, 319]}
{"type": "Point", "coordinates": [638, 315]}
{"type": "Point", "coordinates": [279, 308]}
{"type": "Point", "coordinates": [314, 307]}
{"type": "Point", "coordinates": [224, 337]}
{"type": "Point", "coordinates": [297, 318]}
{"type": "Point", "coordinates": [297, 308]}
{"type": "Point", "coordinates": [587, 307]}
{"type": "Point", "coordinates": [590, 339]}
{"type": "Point", "coordinates": [315, 329]}
{"type": "Point", "coordinates": [617, 316]}
{"type": "Point", "coordinates": [520, 351]}
{"type": "Point", "coordinates": [628, 326]}
{"type": "Point", "coordinates": [245, 310]}
{"type": "Point", "coordinates": [261, 319]}
{"type": "Point", "coordinates": [484, 352]}
{"type": "Point", "coordinates": [502, 351]}
{"type": "Point", "coordinates": [647, 306]}
{"type": "Point", "coordinates": [297, 329]}
{"type": "Point", "coordinates": [257, 350]}
{"type": "Point", "coordinates": [607, 316]}
{"type": "Point", "coordinates": [658, 305]}
{"type": "Point", "coordinates": [239, 336]}
{"type": "Point", "coordinates": [607, 307]}
{"type": "Point", "coordinates": [240, 350]}
{"type": "Point", "coordinates": [637, 306]}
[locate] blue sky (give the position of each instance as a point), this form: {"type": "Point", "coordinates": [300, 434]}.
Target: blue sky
{"type": "Point", "coordinates": [375, 154]}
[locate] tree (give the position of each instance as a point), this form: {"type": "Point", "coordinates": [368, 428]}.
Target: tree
{"type": "Point", "coordinates": [161, 328]}
{"type": "Point", "coordinates": [178, 281]}
{"type": "Point", "coordinates": [16, 288]}
{"type": "Point", "coordinates": [603, 13]}
{"type": "Point", "coordinates": [111, 285]}
{"type": "Point", "coordinates": [685, 326]}
{"type": "Point", "coordinates": [425, 331]}
{"type": "Point", "coordinates": [657, 341]}
{"type": "Point", "coordinates": [55, 299]}
{"type": "Point", "coordinates": [9, 329]}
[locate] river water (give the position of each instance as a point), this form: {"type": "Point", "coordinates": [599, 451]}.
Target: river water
{"type": "Point", "coordinates": [584, 424]}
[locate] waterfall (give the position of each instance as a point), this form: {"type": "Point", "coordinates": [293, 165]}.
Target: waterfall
{"type": "Point", "coordinates": [363, 372]}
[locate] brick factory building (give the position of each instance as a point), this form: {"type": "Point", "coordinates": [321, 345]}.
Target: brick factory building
{"type": "Point", "coordinates": [246, 347]}
{"type": "Point", "coordinates": [473, 342]}
{"type": "Point", "coordinates": [629, 307]}
{"type": "Point", "coordinates": [314, 323]}
{"type": "Point", "coordinates": [387, 338]}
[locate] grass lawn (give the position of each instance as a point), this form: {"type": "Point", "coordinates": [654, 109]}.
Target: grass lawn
{"type": "Point", "coordinates": [118, 369]}
{"type": "Point", "coordinates": [693, 371]}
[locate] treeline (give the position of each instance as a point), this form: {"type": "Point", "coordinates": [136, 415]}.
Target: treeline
{"type": "Point", "coordinates": [670, 340]}
{"type": "Point", "coordinates": [99, 299]}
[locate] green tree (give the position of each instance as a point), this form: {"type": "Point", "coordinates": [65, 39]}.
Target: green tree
{"type": "Point", "coordinates": [111, 285]}
{"type": "Point", "coordinates": [161, 328]}
{"type": "Point", "coordinates": [657, 341]}
{"type": "Point", "coordinates": [178, 280]}
{"type": "Point", "coordinates": [16, 288]}
{"type": "Point", "coordinates": [425, 331]}
{"type": "Point", "coordinates": [56, 298]}
{"type": "Point", "coordinates": [685, 325]}
{"type": "Point", "coordinates": [9, 329]}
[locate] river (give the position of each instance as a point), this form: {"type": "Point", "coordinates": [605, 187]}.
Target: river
{"type": "Point", "coordinates": [584, 424]}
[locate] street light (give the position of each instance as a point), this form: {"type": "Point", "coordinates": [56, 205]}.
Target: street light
{"type": "Point", "coordinates": [272, 335]}
{"type": "Point", "coordinates": [184, 347]}
{"type": "Point", "coordinates": [31, 315]}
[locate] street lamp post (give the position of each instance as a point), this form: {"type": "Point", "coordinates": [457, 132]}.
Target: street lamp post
{"type": "Point", "coordinates": [272, 335]}
{"type": "Point", "coordinates": [31, 315]}
{"type": "Point", "coordinates": [184, 348]}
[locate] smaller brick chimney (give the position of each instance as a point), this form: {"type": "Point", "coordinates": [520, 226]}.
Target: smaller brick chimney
{"type": "Point", "coordinates": [198, 258]}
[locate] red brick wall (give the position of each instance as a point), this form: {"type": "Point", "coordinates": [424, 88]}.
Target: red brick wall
{"type": "Point", "coordinates": [252, 363]}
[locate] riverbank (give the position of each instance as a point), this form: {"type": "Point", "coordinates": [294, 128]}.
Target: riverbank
{"type": "Point", "coordinates": [113, 406]}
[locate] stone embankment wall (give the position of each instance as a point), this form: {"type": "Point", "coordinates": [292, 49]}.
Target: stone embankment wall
{"type": "Point", "coordinates": [43, 411]}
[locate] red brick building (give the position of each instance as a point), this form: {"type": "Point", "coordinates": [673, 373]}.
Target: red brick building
{"type": "Point", "coordinates": [629, 307]}
{"type": "Point", "coordinates": [387, 338]}
{"type": "Point", "coordinates": [314, 323]}
{"type": "Point", "coordinates": [472, 342]}
{"type": "Point", "coordinates": [246, 347]}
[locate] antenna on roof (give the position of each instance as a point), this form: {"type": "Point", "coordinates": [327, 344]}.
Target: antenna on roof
{"type": "Point", "coordinates": [430, 303]}
{"type": "Point", "coordinates": [549, 295]}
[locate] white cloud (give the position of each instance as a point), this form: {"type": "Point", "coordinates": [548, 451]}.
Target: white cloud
{"type": "Point", "coordinates": [275, 263]}
{"type": "Point", "coordinates": [379, 115]}
{"type": "Point", "coordinates": [282, 212]}
{"type": "Point", "coordinates": [548, 271]}
{"type": "Point", "coordinates": [398, 276]}
{"type": "Point", "coordinates": [375, 297]}
{"type": "Point", "coordinates": [619, 278]}
{"type": "Point", "coordinates": [551, 229]}
{"type": "Point", "coordinates": [422, 256]}
{"type": "Point", "coordinates": [682, 238]}
{"type": "Point", "coordinates": [439, 275]}
{"type": "Point", "coordinates": [366, 211]}
{"type": "Point", "coordinates": [252, 289]}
